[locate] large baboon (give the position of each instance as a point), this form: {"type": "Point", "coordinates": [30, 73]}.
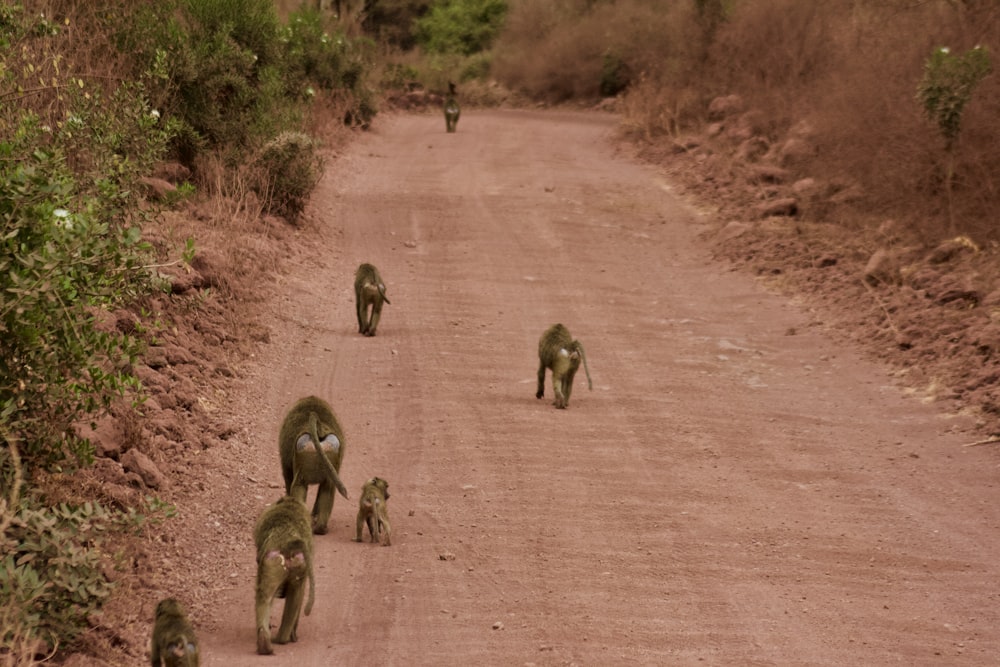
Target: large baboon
{"type": "Point", "coordinates": [284, 562]}
{"type": "Point", "coordinates": [369, 290]}
{"type": "Point", "coordinates": [174, 643]}
{"type": "Point", "coordinates": [372, 510]}
{"type": "Point", "coordinates": [451, 109]}
{"type": "Point", "coordinates": [557, 350]}
{"type": "Point", "coordinates": [311, 445]}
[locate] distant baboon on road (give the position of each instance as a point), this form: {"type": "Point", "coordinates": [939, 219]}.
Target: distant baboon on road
{"type": "Point", "coordinates": [558, 351]}
{"type": "Point", "coordinates": [369, 290]}
{"type": "Point", "coordinates": [451, 109]}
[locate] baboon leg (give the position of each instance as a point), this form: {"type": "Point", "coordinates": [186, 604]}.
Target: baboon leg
{"type": "Point", "coordinates": [557, 389]}
{"type": "Point", "coordinates": [373, 528]}
{"type": "Point", "coordinates": [361, 528]}
{"type": "Point", "coordinates": [387, 530]}
{"type": "Point", "coordinates": [541, 381]}
{"type": "Point", "coordinates": [322, 508]}
{"type": "Point", "coordinates": [270, 576]}
{"type": "Point", "coordinates": [289, 628]}
{"type": "Point", "coordinates": [376, 315]}
{"type": "Point", "coordinates": [362, 314]}
{"type": "Point", "coordinates": [299, 490]}
{"type": "Point", "coordinates": [568, 386]}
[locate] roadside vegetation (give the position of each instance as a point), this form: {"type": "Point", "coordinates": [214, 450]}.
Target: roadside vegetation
{"type": "Point", "coordinates": [114, 114]}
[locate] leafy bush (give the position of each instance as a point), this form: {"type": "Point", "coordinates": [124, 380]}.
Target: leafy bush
{"type": "Point", "coordinates": [55, 565]}
{"type": "Point", "coordinates": [290, 169]}
{"type": "Point", "coordinates": [461, 27]}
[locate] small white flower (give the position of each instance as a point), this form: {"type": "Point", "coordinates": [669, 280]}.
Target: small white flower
{"type": "Point", "coordinates": [944, 49]}
{"type": "Point", "coordinates": [46, 128]}
{"type": "Point", "coordinates": [310, 92]}
{"type": "Point", "coordinates": [155, 114]}
{"type": "Point", "coordinates": [63, 218]}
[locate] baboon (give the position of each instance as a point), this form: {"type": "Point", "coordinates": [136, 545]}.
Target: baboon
{"type": "Point", "coordinates": [451, 109]}
{"type": "Point", "coordinates": [311, 445]}
{"type": "Point", "coordinates": [284, 560]}
{"type": "Point", "coordinates": [372, 510]}
{"type": "Point", "coordinates": [369, 290]}
{"type": "Point", "coordinates": [174, 643]}
{"type": "Point", "coordinates": [557, 350]}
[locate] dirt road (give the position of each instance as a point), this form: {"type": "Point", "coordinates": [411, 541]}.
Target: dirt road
{"type": "Point", "coordinates": [736, 489]}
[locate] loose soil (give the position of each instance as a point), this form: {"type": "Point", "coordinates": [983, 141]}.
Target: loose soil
{"type": "Point", "coordinates": [744, 485]}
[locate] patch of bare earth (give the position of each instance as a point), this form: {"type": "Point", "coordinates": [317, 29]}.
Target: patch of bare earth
{"type": "Point", "coordinates": [741, 487]}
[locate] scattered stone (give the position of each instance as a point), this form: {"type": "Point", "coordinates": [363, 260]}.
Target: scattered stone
{"type": "Point", "coordinates": [882, 267]}
{"type": "Point", "coordinates": [447, 555]}
{"type": "Point", "coordinates": [768, 173]}
{"type": "Point", "coordinates": [157, 189]}
{"type": "Point", "coordinates": [724, 106]}
{"type": "Point", "coordinates": [134, 461]}
{"type": "Point", "coordinates": [498, 625]}
{"type": "Point", "coordinates": [952, 248]}
{"type": "Point", "coordinates": [784, 206]}
{"type": "Point", "coordinates": [733, 230]}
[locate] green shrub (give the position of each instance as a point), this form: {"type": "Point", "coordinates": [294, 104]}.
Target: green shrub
{"type": "Point", "coordinates": [290, 169]}
{"type": "Point", "coordinates": [55, 564]}
{"type": "Point", "coordinates": [461, 27]}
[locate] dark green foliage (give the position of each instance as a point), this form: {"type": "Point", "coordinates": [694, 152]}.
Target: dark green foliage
{"type": "Point", "coordinates": [53, 567]}
{"type": "Point", "coordinates": [391, 21]}
{"type": "Point", "coordinates": [462, 27]}
{"type": "Point", "coordinates": [615, 75]}
{"type": "Point", "coordinates": [290, 167]}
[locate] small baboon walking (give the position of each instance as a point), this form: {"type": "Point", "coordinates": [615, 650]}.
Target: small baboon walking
{"type": "Point", "coordinates": [372, 510]}
{"type": "Point", "coordinates": [451, 109]}
{"type": "Point", "coordinates": [311, 447]}
{"type": "Point", "coordinates": [174, 643]}
{"type": "Point", "coordinates": [284, 562]}
{"type": "Point", "coordinates": [369, 290]}
{"type": "Point", "coordinates": [558, 351]}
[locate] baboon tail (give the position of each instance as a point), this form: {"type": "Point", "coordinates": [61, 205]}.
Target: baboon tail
{"type": "Point", "coordinates": [583, 355]}
{"type": "Point", "coordinates": [381, 290]}
{"type": "Point", "coordinates": [312, 589]}
{"type": "Point", "coordinates": [331, 472]}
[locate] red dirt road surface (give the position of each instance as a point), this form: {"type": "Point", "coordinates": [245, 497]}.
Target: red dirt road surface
{"type": "Point", "coordinates": [737, 489]}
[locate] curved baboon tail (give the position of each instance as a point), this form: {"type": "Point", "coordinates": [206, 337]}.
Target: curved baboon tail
{"type": "Point", "coordinates": [583, 355]}
{"type": "Point", "coordinates": [312, 588]}
{"type": "Point", "coordinates": [331, 472]}
{"type": "Point", "coordinates": [381, 290]}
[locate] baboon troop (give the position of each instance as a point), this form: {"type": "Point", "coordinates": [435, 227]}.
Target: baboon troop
{"type": "Point", "coordinates": [369, 290]}
{"type": "Point", "coordinates": [311, 449]}
{"type": "Point", "coordinates": [284, 541]}
{"type": "Point", "coordinates": [558, 351]}
{"type": "Point", "coordinates": [372, 511]}
{"type": "Point", "coordinates": [451, 109]}
{"type": "Point", "coordinates": [311, 445]}
{"type": "Point", "coordinates": [174, 643]}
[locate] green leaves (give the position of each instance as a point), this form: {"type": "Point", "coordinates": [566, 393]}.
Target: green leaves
{"type": "Point", "coordinates": [947, 86]}
{"type": "Point", "coordinates": [461, 27]}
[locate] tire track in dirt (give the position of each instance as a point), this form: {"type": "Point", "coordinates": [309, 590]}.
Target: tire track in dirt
{"type": "Point", "coordinates": [728, 493]}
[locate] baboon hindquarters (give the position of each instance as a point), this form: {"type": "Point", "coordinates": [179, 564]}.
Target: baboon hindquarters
{"type": "Point", "coordinates": [284, 564]}
{"type": "Point", "coordinates": [451, 114]}
{"type": "Point", "coordinates": [369, 295]}
{"type": "Point", "coordinates": [311, 445]}
{"type": "Point", "coordinates": [559, 352]}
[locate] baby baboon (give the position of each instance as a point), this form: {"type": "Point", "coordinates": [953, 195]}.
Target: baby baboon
{"type": "Point", "coordinates": [174, 643]}
{"type": "Point", "coordinates": [284, 561]}
{"type": "Point", "coordinates": [369, 290]}
{"type": "Point", "coordinates": [557, 350]}
{"type": "Point", "coordinates": [451, 110]}
{"type": "Point", "coordinates": [311, 445]}
{"type": "Point", "coordinates": [372, 510]}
